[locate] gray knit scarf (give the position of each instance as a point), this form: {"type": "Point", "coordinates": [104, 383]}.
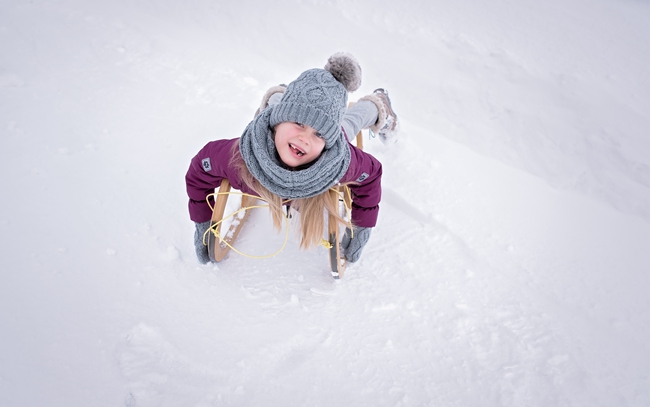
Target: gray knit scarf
{"type": "Point", "coordinates": [258, 151]}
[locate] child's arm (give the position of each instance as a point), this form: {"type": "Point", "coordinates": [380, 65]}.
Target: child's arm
{"type": "Point", "coordinates": [207, 169]}
{"type": "Point", "coordinates": [365, 174]}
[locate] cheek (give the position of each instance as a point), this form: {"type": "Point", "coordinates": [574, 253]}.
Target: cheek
{"type": "Point", "coordinates": [278, 138]}
{"type": "Point", "coordinates": [282, 135]}
{"type": "Point", "coordinates": [319, 145]}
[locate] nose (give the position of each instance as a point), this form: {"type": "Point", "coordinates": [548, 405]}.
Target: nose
{"type": "Point", "coordinates": [303, 136]}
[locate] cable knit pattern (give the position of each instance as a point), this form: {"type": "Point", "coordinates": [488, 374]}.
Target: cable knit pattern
{"type": "Point", "coordinates": [317, 99]}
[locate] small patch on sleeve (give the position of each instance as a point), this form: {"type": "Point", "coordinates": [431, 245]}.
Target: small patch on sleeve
{"type": "Point", "coordinates": [206, 164]}
{"type": "Point", "coordinates": [362, 177]}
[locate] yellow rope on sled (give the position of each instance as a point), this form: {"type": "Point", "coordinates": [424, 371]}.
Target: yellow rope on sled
{"type": "Point", "coordinates": [325, 243]}
{"type": "Point", "coordinates": [214, 227]}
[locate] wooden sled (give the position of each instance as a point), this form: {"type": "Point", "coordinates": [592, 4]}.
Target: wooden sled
{"type": "Point", "coordinates": [337, 261]}
{"type": "Point", "coordinates": [219, 248]}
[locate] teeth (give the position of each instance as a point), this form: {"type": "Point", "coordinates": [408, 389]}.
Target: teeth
{"type": "Point", "coordinates": [298, 151]}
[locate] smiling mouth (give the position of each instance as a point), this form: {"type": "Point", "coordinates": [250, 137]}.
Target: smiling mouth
{"type": "Point", "coordinates": [296, 150]}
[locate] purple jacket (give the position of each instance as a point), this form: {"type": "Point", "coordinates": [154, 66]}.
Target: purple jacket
{"type": "Point", "coordinates": [212, 164]}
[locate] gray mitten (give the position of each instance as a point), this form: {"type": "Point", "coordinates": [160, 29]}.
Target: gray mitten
{"type": "Point", "coordinates": [201, 249]}
{"type": "Point", "coordinates": [352, 247]}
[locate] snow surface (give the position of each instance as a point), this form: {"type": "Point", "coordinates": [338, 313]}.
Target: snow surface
{"type": "Point", "coordinates": [510, 265]}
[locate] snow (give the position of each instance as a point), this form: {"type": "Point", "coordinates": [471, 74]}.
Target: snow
{"type": "Point", "coordinates": [509, 266]}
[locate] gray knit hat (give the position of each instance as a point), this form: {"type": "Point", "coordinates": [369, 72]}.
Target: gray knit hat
{"type": "Point", "coordinates": [317, 98]}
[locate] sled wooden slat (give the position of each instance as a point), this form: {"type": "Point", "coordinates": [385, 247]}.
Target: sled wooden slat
{"type": "Point", "coordinates": [337, 263]}
{"type": "Point", "coordinates": [360, 140]}
{"type": "Point", "coordinates": [216, 247]}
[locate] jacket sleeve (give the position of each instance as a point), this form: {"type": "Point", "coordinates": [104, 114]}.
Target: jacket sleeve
{"type": "Point", "coordinates": [207, 169]}
{"type": "Point", "coordinates": [364, 175]}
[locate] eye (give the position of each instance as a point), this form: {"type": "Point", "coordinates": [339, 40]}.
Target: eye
{"type": "Point", "coordinates": [299, 124]}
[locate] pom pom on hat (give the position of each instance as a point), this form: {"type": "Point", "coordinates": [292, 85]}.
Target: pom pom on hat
{"type": "Point", "coordinates": [346, 69]}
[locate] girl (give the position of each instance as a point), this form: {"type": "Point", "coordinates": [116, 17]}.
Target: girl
{"type": "Point", "coordinates": [297, 148]}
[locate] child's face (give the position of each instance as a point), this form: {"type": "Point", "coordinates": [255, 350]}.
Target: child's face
{"type": "Point", "coordinates": [297, 143]}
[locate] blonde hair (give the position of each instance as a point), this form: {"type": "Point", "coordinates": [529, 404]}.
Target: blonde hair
{"type": "Point", "coordinates": [312, 220]}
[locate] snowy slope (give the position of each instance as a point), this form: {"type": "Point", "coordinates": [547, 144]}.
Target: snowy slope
{"type": "Point", "coordinates": [508, 267]}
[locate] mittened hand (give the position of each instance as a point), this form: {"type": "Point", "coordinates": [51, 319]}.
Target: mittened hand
{"type": "Point", "coordinates": [353, 246]}
{"type": "Point", "coordinates": [201, 249]}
